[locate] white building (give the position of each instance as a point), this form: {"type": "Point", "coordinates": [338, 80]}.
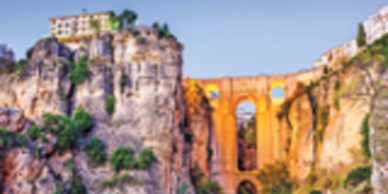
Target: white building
{"type": "Point", "coordinates": [376, 25]}
{"type": "Point", "coordinates": [78, 25]}
{"type": "Point", "coordinates": [6, 53]}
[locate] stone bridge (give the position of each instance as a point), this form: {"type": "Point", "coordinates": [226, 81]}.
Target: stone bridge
{"type": "Point", "coordinates": [257, 89]}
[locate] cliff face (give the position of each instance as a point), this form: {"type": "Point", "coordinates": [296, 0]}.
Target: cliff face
{"type": "Point", "coordinates": [143, 76]}
{"type": "Point", "coordinates": [379, 138]}
{"type": "Point", "coordinates": [326, 135]}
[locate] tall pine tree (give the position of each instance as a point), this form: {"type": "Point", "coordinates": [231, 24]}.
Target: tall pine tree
{"type": "Point", "coordinates": [361, 37]}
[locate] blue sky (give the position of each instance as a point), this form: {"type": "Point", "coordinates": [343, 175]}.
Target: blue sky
{"type": "Point", "coordinates": [229, 38]}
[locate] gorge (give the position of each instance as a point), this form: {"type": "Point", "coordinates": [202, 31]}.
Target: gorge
{"type": "Point", "coordinates": [126, 88]}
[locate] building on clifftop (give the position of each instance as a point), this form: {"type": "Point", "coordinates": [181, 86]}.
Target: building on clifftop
{"type": "Point", "coordinates": [76, 26]}
{"type": "Point", "coordinates": [347, 50]}
{"type": "Point", "coordinates": [377, 25]}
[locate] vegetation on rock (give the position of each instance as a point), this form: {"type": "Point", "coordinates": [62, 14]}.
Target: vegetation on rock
{"type": "Point", "coordinates": [146, 156]}
{"type": "Point", "coordinates": [119, 181]}
{"type": "Point", "coordinates": [110, 104]}
{"type": "Point", "coordinates": [123, 81]}
{"type": "Point", "coordinates": [315, 192]}
{"type": "Point", "coordinates": [182, 188]}
{"type": "Point", "coordinates": [35, 132]}
{"type": "Point", "coordinates": [123, 159]}
{"type": "Point", "coordinates": [126, 19]}
{"type": "Point", "coordinates": [358, 175]}
{"type": "Point", "coordinates": [77, 187]}
{"type": "Point", "coordinates": [96, 151]}
{"type": "Point", "coordinates": [9, 139]}
{"type": "Point", "coordinates": [67, 130]}
{"type": "Point", "coordinates": [80, 71]}
{"type": "Point", "coordinates": [365, 136]}
{"type": "Point", "coordinates": [275, 179]}
{"type": "Point", "coordinates": [162, 31]}
{"type": "Point", "coordinates": [209, 187]}
{"type": "Point", "coordinates": [203, 186]}
{"type": "Point", "coordinates": [322, 115]}
{"type": "Point", "coordinates": [82, 120]}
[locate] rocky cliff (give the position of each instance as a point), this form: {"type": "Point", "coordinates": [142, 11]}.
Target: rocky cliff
{"type": "Point", "coordinates": [140, 71]}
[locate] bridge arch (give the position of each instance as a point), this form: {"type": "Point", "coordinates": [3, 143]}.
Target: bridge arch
{"type": "Point", "coordinates": [246, 187]}
{"type": "Point", "coordinates": [257, 89]}
{"type": "Point", "coordinates": [212, 92]}
{"type": "Point", "coordinates": [246, 135]}
{"type": "Point", "coordinates": [277, 92]}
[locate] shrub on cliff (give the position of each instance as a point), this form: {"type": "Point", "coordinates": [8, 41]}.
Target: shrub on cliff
{"type": "Point", "coordinates": [365, 136]}
{"type": "Point", "coordinates": [315, 192]}
{"type": "Point", "coordinates": [66, 136]}
{"type": "Point", "coordinates": [67, 130]}
{"type": "Point", "coordinates": [162, 31]}
{"type": "Point", "coordinates": [35, 132]}
{"type": "Point", "coordinates": [209, 187]}
{"type": "Point", "coordinates": [82, 120]}
{"type": "Point", "coordinates": [146, 156]}
{"type": "Point", "coordinates": [96, 151]}
{"type": "Point", "coordinates": [80, 71]}
{"type": "Point", "coordinates": [358, 175]}
{"type": "Point", "coordinates": [182, 188]}
{"type": "Point", "coordinates": [122, 158]}
{"type": "Point", "coordinates": [110, 104]}
{"type": "Point", "coordinates": [197, 177]}
{"type": "Point", "coordinates": [77, 187]}
{"type": "Point", "coordinates": [275, 179]}
{"type": "Point", "coordinates": [10, 139]}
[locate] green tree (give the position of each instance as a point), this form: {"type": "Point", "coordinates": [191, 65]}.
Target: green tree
{"type": "Point", "coordinates": [128, 17]}
{"type": "Point", "coordinates": [361, 36]}
{"type": "Point", "coordinates": [146, 156]}
{"type": "Point", "coordinates": [110, 104]}
{"type": "Point", "coordinates": [358, 175]}
{"type": "Point", "coordinates": [81, 71]}
{"type": "Point", "coordinates": [182, 189]}
{"type": "Point", "coordinates": [365, 136]}
{"type": "Point", "coordinates": [196, 175]}
{"type": "Point", "coordinates": [96, 25]}
{"type": "Point", "coordinates": [209, 187]}
{"type": "Point", "coordinates": [114, 21]}
{"type": "Point", "coordinates": [77, 187]}
{"type": "Point", "coordinates": [162, 31]}
{"type": "Point", "coordinates": [9, 139]}
{"type": "Point", "coordinates": [29, 53]}
{"type": "Point", "coordinates": [35, 132]}
{"type": "Point", "coordinates": [96, 151]}
{"type": "Point", "coordinates": [61, 126]}
{"type": "Point", "coordinates": [82, 121]}
{"type": "Point", "coordinates": [123, 158]}
{"type": "Point", "coordinates": [275, 179]}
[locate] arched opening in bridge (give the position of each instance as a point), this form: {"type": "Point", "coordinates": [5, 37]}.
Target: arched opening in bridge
{"type": "Point", "coordinates": [213, 94]}
{"type": "Point", "coordinates": [246, 136]}
{"type": "Point", "coordinates": [277, 92]}
{"type": "Point", "coordinates": [246, 187]}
